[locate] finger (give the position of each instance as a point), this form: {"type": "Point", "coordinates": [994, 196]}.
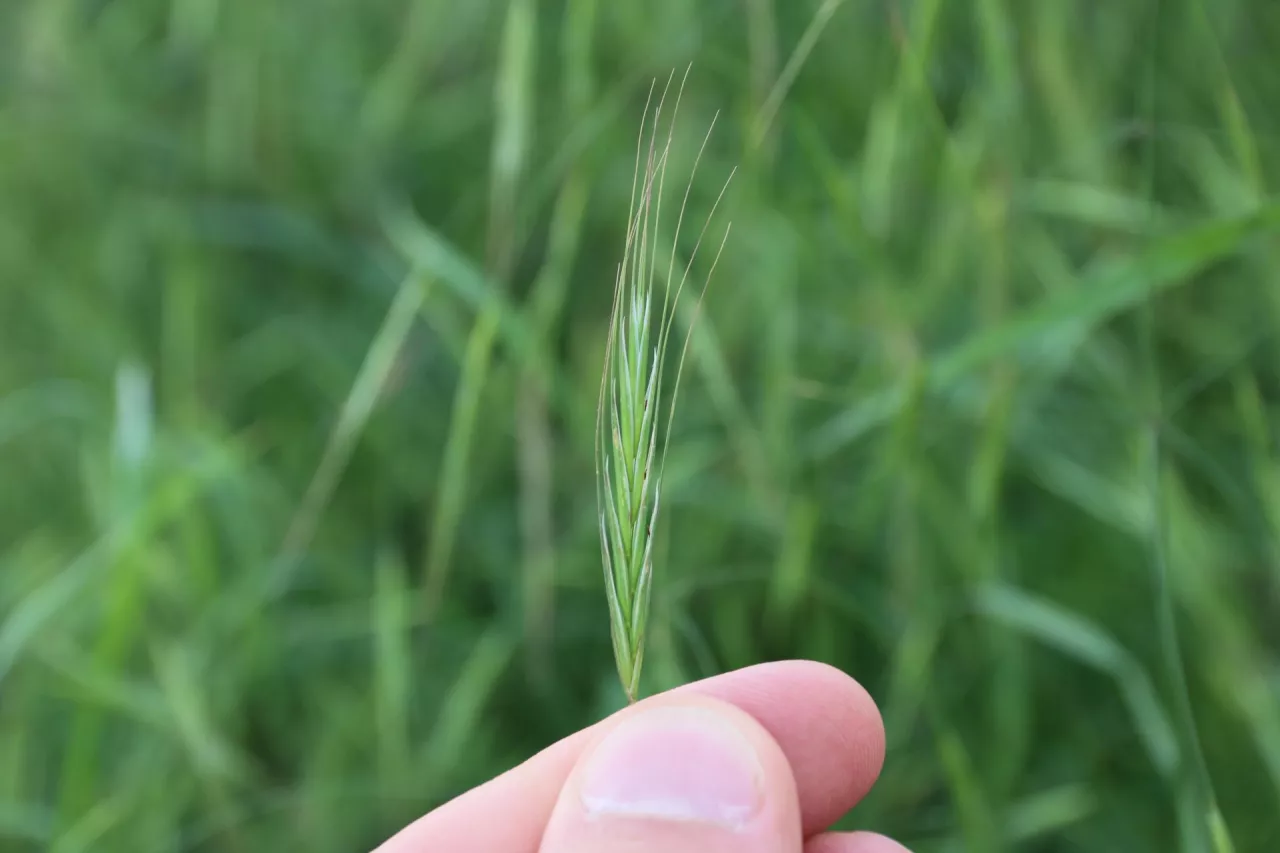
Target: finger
{"type": "Point", "coordinates": [853, 842]}
{"type": "Point", "coordinates": [825, 723]}
{"type": "Point", "coordinates": [683, 774]}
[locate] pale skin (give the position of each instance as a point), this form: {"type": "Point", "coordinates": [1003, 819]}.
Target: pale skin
{"type": "Point", "coordinates": [760, 760]}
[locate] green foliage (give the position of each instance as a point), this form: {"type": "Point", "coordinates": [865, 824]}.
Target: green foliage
{"type": "Point", "coordinates": [303, 307]}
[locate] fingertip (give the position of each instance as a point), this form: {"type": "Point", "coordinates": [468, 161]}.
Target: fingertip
{"type": "Point", "coordinates": [861, 727]}
{"type": "Point", "coordinates": [827, 723]}
{"type": "Point", "coordinates": [853, 842]}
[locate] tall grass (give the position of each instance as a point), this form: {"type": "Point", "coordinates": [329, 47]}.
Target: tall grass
{"type": "Point", "coordinates": [302, 317]}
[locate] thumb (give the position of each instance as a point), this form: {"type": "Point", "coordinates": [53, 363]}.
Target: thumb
{"type": "Point", "coordinates": [678, 775]}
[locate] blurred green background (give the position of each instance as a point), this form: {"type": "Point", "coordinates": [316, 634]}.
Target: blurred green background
{"type": "Point", "coordinates": [302, 312]}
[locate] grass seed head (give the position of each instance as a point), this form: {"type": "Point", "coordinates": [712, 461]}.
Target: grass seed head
{"type": "Point", "coordinates": [633, 419]}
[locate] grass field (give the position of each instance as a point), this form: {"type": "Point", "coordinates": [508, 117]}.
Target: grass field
{"type": "Point", "coordinates": [303, 306]}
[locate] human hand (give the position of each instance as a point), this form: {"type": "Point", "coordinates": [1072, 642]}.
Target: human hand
{"type": "Point", "coordinates": [760, 760]}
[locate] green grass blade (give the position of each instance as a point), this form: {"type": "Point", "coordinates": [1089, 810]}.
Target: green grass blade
{"type": "Point", "coordinates": [368, 388]}
{"type": "Point", "coordinates": [1101, 294]}
{"type": "Point", "coordinates": [1079, 639]}
{"type": "Point", "coordinates": [451, 490]}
